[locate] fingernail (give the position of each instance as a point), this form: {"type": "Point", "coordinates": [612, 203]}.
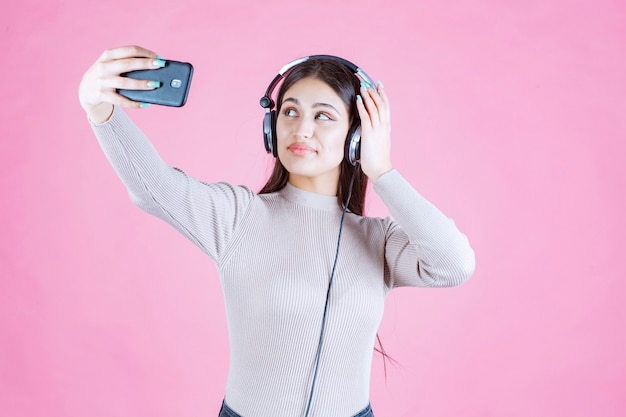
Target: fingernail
{"type": "Point", "coordinates": [365, 84]}
{"type": "Point", "coordinates": [159, 57]}
{"type": "Point", "coordinates": [159, 63]}
{"type": "Point", "coordinates": [144, 105]}
{"type": "Point", "coordinates": [380, 84]}
{"type": "Point", "coordinates": [358, 97]}
{"type": "Point", "coordinates": [154, 84]}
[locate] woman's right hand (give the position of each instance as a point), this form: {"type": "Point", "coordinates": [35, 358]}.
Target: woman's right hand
{"type": "Point", "coordinates": [97, 91]}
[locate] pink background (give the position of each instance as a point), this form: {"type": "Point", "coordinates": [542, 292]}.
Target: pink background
{"type": "Point", "coordinates": [510, 116]}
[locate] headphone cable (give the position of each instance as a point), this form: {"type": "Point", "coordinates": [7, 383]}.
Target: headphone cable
{"type": "Point", "coordinates": [330, 284]}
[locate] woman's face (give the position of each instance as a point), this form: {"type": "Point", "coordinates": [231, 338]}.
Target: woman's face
{"type": "Point", "coordinates": [311, 130]}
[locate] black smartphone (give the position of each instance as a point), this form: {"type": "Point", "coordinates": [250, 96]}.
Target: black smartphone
{"type": "Point", "coordinates": [175, 79]}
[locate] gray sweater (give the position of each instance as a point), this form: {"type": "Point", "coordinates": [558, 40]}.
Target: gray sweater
{"type": "Point", "coordinates": [274, 254]}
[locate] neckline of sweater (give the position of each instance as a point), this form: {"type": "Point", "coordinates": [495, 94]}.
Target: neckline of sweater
{"type": "Point", "coordinates": [310, 199]}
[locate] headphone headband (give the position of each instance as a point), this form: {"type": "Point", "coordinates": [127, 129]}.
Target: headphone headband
{"type": "Point", "coordinates": [267, 102]}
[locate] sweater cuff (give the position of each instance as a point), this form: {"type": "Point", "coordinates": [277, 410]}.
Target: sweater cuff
{"type": "Point", "coordinates": [402, 200]}
{"type": "Point", "coordinates": [114, 114]}
{"type": "Point", "coordinates": [388, 181]}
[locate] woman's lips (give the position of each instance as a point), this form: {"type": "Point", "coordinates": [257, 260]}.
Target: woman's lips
{"type": "Point", "coordinates": [300, 149]}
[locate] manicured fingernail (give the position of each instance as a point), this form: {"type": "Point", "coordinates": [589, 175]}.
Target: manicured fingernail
{"type": "Point", "coordinates": [144, 105]}
{"type": "Point", "coordinates": [159, 57]}
{"type": "Point", "coordinates": [358, 97]}
{"type": "Point", "coordinates": [154, 84]}
{"type": "Point", "coordinates": [365, 84]}
{"type": "Point", "coordinates": [159, 63]}
{"type": "Point", "coordinates": [380, 84]}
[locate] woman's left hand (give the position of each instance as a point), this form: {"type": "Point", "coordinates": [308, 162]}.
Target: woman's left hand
{"type": "Point", "coordinates": [375, 131]}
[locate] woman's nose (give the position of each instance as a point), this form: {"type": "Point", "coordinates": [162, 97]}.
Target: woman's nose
{"type": "Point", "coordinates": [304, 128]}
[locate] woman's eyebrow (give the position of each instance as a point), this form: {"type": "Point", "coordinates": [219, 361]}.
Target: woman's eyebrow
{"type": "Point", "coordinates": [297, 102]}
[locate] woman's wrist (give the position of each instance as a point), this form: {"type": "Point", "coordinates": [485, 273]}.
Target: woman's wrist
{"type": "Point", "coordinates": [100, 113]}
{"type": "Point", "coordinates": [379, 173]}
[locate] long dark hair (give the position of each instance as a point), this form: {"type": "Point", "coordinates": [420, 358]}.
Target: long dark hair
{"type": "Point", "coordinates": [346, 85]}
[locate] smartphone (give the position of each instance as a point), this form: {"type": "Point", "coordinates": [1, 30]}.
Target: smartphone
{"type": "Point", "coordinates": [175, 78]}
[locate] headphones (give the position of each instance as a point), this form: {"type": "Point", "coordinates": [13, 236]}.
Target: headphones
{"type": "Point", "coordinates": [353, 148]}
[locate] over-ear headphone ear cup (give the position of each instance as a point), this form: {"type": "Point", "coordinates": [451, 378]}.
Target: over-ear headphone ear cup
{"type": "Point", "coordinates": [274, 137]}
{"type": "Point", "coordinates": [269, 129]}
{"type": "Point", "coordinates": [353, 146]}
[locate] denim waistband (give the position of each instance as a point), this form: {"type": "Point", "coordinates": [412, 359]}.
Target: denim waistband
{"type": "Point", "coordinates": [366, 412]}
{"type": "Point", "coordinates": [226, 411]}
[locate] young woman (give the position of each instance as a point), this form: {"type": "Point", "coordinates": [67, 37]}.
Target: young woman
{"type": "Point", "coordinates": [299, 345]}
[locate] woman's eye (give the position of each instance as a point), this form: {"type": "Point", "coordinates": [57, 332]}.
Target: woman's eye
{"type": "Point", "coordinates": [290, 112]}
{"type": "Point", "coordinates": [324, 116]}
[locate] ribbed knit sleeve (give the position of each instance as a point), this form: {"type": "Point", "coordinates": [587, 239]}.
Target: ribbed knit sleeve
{"type": "Point", "coordinates": [207, 214]}
{"type": "Point", "coordinates": [423, 247]}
